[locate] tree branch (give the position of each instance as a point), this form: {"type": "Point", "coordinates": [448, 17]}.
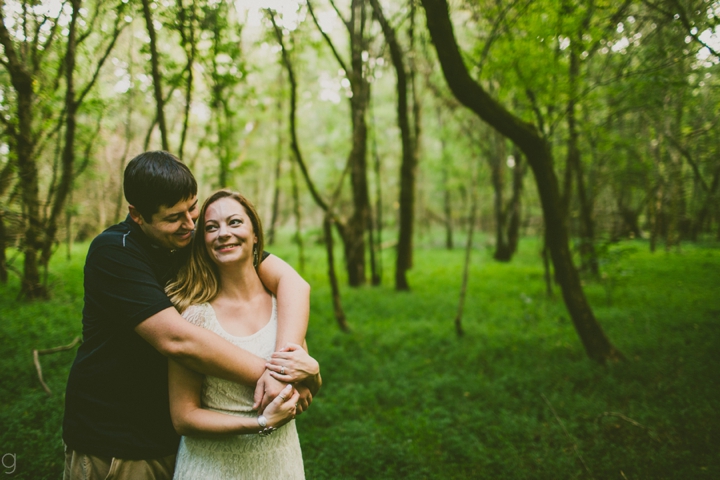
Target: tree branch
{"type": "Point", "coordinates": [327, 39]}
{"type": "Point", "coordinates": [116, 34]}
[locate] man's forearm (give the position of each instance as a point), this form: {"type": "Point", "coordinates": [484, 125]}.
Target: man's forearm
{"type": "Point", "coordinates": [199, 349]}
{"type": "Point", "coordinates": [212, 355]}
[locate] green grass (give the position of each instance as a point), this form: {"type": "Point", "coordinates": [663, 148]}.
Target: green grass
{"type": "Point", "coordinates": [405, 398]}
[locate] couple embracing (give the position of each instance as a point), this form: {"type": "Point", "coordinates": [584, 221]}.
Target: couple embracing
{"type": "Point", "coordinates": [200, 335]}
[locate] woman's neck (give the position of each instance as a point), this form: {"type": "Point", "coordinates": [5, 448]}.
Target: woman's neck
{"type": "Point", "coordinates": [239, 282]}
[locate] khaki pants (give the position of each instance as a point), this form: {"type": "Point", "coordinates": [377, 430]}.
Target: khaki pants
{"type": "Point", "coordinates": [80, 466]}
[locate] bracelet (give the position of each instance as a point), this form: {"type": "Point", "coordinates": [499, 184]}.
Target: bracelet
{"type": "Point", "coordinates": [265, 431]}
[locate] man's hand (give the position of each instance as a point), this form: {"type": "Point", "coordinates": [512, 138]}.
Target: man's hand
{"type": "Point", "coordinates": [306, 398]}
{"type": "Point", "coordinates": [266, 390]}
{"type": "Point", "coordinates": [292, 364]}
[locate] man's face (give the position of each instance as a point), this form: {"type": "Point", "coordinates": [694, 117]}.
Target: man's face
{"type": "Point", "coordinates": [170, 227]}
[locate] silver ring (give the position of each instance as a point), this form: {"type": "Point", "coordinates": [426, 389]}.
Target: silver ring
{"type": "Point", "coordinates": [282, 396]}
{"type": "Point", "coordinates": [282, 370]}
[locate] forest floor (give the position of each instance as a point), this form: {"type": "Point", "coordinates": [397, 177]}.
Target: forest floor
{"type": "Point", "coordinates": [404, 397]}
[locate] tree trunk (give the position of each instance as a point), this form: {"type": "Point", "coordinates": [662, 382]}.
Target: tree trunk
{"type": "Point", "coordinates": [354, 228]}
{"type": "Point", "coordinates": [187, 33]}
{"type": "Point", "coordinates": [22, 82]}
{"type": "Point", "coordinates": [298, 219]}
{"type": "Point", "coordinates": [514, 208]}
{"type": "Point", "coordinates": [588, 256]}
{"type": "Point", "coordinates": [468, 250]}
{"type": "Point", "coordinates": [3, 246]}
{"type": "Point", "coordinates": [157, 79]}
{"type": "Point", "coordinates": [709, 204]}
{"type": "Point", "coordinates": [68, 155]}
{"type": "Point", "coordinates": [119, 214]}
{"type": "Point", "coordinates": [376, 262]}
{"type": "Point", "coordinates": [409, 159]}
{"type": "Point", "coordinates": [538, 155]}
{"type": "Point", "coordinates": [445, 176]}
{"type": "Point", "coordinates": [496, 160]}
{"type": "Point", "coordinates": [334, 287]}
{"type": "Point", "coordinates": [276, 179]}
{"type": "Point", "coordinates": [356, 224]}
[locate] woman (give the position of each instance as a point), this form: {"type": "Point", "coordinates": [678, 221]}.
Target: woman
{"type": "Point", "coordinates": [220, 290]}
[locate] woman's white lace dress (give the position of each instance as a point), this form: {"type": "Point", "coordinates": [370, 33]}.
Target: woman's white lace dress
{"type": "Point", "coordinates": [238, 456]}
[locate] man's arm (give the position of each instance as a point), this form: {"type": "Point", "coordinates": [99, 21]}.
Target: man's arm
{"type": "Point", "coordinates": [199, 349]}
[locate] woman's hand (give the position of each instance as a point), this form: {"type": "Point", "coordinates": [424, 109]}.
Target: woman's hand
{"type": "Point", "coordinates": [292, 364]}
{"type": "Point", "coordinates": [282, 409]}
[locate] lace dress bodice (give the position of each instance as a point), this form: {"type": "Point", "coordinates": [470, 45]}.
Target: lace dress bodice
{"type": "Point", "coordinates": [238, 456]}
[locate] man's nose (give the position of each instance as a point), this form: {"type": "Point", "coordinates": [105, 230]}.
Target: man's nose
{"type": "Point", "coordinates": [188, 222]}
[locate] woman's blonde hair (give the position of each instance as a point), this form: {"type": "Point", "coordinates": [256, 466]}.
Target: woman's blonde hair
{"type": "Point", "coordinates": [198, 281]}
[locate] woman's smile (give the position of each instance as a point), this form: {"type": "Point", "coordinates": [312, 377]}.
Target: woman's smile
{"type": "Point", "coordinates": [229, 234]}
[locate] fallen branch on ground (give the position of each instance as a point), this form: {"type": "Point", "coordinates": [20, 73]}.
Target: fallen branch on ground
{"type": "Point", "coordinates": [575, 449]}
{"type": "Point", "coordinates": [627, 419]}
{"type": "Point", "coordinates": [36, 360]}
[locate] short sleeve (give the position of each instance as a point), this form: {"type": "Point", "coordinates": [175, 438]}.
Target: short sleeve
{"type": "Point", "coordinates": [196, 315]}
{"type": "Point", "coordinates": [120, 283]}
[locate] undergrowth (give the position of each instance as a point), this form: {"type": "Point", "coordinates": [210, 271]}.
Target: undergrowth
{"type": "Point", "coordinates": [404, 397]}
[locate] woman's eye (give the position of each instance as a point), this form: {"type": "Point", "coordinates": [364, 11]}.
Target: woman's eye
{"type": "Point", "coordinates": [210, 228]}
{"type": "Point", "coordinates": [235, 221]}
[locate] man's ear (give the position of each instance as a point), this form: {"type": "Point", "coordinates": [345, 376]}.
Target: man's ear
{"type": "Point", "coordinates": [135, 215]}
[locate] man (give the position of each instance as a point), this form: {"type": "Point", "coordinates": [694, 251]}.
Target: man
{"type": "Point", "coordinates": [117, 418]}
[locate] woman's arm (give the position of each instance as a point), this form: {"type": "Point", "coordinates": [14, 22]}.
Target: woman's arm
{"type": "Point", "coordinates": [293, 303]}
{"type": "Point", "coordinates": [293, 364]}
{"type": "Point", "coordinates": [189, 418]}
{"type": "Point", "coordinates": [293, 299]}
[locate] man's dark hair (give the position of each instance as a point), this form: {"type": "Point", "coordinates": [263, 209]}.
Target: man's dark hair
{"type": "Point", "coordinates": [156, 179]}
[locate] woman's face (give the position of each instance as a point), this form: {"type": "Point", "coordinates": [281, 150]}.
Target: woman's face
{"type": "Point", "coordinates": [229, 233]}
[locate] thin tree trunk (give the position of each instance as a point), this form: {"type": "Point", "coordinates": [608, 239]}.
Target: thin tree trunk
{"type": "Point", "coordinates": [496, 160]}
{"type": "Point", "coordinates": [190, 45]}
{"type": "Point", "coordinates": [537, 152]}
{"type": "Point", "coordinates": [445, 177]}
{"type": "Point", "coordinates": [514, 208]}
{"type": "Point", "coordinates": [118, 216]}
{"type": "Point", "coordinates": [3, 246]}
{"type": "Point", "coordinates": [409, 157]}
{"type": "Point", "coordinates": [157, 79]}
{"type": "Point", "coordinates": [334, 287]}
{"type": "Point", "coordinates": [376, 241]}
{"type": "Point", "coordinates": [709, 202]}
{"type": "Point", "coordinates": [278, 165]}
{"type": "Point", "coordinates": [468, 249]}
{"type": "Point", "coordinates": [68, 227]}
{"type": "Point", "coordinates": [656, 204]}
{"type": "Point", "coordinates": [298, 220]}
{"type": "Point", "coordinates": [5, 182]}
{"type": "Point", "coordinates": [547, 273]}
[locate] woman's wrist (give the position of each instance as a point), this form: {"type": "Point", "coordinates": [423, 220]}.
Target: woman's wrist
{"type": "Point", "coordinates": [265, 429]}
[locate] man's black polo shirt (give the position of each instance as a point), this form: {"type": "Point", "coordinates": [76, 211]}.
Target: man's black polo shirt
{"type": "Point", "coordinates": [116, 403]}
